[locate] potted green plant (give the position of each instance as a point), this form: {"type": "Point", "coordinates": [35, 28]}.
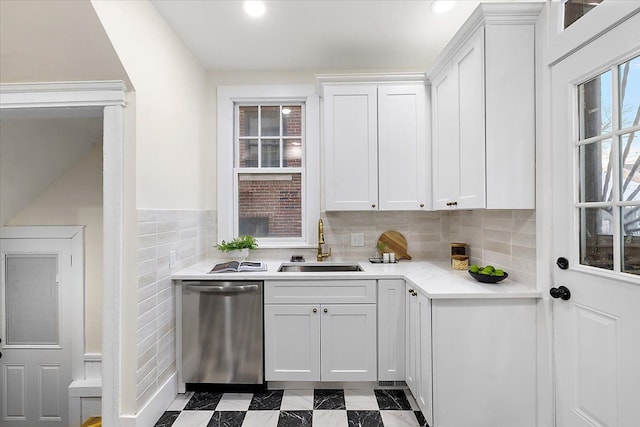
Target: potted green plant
{"type": "Point", "coordinates": [238, 248]}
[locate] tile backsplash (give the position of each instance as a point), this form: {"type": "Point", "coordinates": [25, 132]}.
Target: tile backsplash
{"type": "Point", "coordinates": [503, 238]}
{"type": "Point", "coordinates": [188, 232]}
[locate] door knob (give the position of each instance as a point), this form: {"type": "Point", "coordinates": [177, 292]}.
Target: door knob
{"type": "Point", "coordinates": [561, 292]}
{"type": "Point", "coordinates": [562, 263]}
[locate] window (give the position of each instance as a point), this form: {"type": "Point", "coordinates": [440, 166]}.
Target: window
{"type": "Point", "coordinates": [269, 170]}
{"type": "Point", "coordinates": [608, 152]}
{"type": "Point", "coordinates": [576, 9]}
{"type": "Point", "coordinates": [268, 164]}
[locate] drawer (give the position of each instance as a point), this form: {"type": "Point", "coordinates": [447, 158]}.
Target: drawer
{"type": "Point", "coordinates": [320, 291]}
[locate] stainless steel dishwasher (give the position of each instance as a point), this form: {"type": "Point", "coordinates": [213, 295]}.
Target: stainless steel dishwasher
{"type": "Point", "coordinates": [222, 332]}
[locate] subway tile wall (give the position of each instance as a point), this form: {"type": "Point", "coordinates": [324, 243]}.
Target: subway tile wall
{"type": "Point", "coordinates": [503, 238]}
{"type": "Point", "coordinates": [188, 232]}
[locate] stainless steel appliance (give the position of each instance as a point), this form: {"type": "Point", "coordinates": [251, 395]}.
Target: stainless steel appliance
{"type": "Point", "coordinates": [222, 332]}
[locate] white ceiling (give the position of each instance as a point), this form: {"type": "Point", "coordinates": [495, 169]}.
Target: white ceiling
{"type": "Point", "coordinates": [315, 34]}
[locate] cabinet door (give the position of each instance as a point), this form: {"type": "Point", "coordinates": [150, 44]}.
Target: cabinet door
{"type": "Point", "coordinates": [348, 342]}
{"type": "Point", "coordinates": [446, 150]}
{"type": "Point", "coordinates": [292, 342]}
{"type": "Point", "coordinates": [350, 147]}
{"type": "Point", "coordinates": [469, 65]}
{"type": "Point", "coordinates": [424, 379]}
{"type": "Point", "coordinates": [403, 150]}
{"type": "Point", "coordinates": [484, 362]}
{"type": "Point", "coordinates": [391, 329]}
{"type": "Point", "coordinates": [411, 307]}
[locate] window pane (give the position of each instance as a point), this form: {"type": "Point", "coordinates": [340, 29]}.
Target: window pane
{"type": "Point", "coordinates": [270, 121]}
{"type": "Point", "coordinates": [630, 93]}
{"type": "Point", "coordinates": [270, 153]}
{"type": "Point", "coordinates": [248, 154]}
{"type": "Point", "coordinates": [32, 299]}
{"type": "Point", "coordinates": [631, 239]}
{"type": "Point", "coordinates": [292, 120]}
{"type": "Point", "coordinates": [292, 153]}
{"type": "Point", "coordinates": [630, 165]}
{"type": "Point", "coordinates": [576, 9]}
{"type": "Point", "coordinates": [595, 106]}
{"type": "Point", "coordinates": [248, 117]}
{"type": "Point", "coordinates": [595, 172]}
{"type": "Point", "coordinates": [596, 239]}
{"type": "Point", "coordinates": [270, 205]}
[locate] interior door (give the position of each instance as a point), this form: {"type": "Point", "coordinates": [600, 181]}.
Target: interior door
{"type": "Point", "coordinates": [35, 365]}
{"type": "Point", "coordinates": [596, 231]}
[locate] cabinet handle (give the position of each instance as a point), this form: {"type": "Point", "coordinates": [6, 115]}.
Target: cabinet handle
{"type": "Point", "coordinates": [422, 205]}
{"type": "Point", "coordinates": [315, 310]}
{"type": "Point", "coordinates": [325, 310]}
{"type": "Point", "coordinates": [373, 205]}
{"type": "Point", "coordinates": [410, 291]}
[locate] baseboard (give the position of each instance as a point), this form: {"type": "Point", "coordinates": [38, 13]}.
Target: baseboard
{"type": "Point", "coordinates": [155, 407]}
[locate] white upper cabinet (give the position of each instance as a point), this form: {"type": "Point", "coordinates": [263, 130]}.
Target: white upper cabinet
{"type": "Point", "coordinates": [351, 147]}
{"type": "Point", "coordinates": [483, 114]}
{"type": "Point", "coordinates": [376, 147]}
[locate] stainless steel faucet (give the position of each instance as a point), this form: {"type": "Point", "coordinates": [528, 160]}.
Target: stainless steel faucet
{"type": "Point", "coordinates": [321, 256]}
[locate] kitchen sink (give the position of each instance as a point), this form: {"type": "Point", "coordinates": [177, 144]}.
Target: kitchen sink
{"type": "Point", "coordinates": [318, 268]}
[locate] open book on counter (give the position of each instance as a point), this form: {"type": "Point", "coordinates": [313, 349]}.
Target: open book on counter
{"type": "Point", "coordinates": [236, 266]}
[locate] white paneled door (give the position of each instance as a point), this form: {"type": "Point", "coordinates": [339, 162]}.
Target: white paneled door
{"type": "Point", "coordinates": [35, 366]}
{"type": "Point", "coordinates": [596, 231]}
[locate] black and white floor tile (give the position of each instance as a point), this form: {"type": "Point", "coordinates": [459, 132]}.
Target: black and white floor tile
{"type": "Point", "coordinates": [295, 408]}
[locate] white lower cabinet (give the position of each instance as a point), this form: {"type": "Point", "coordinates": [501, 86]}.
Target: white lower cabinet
{"type": "Point", "coordinates": [348, 342]}
{"type": "Point", "coordinates": [292, 342]}
{"type": "Point", "coordinates": [418, 351]}
{"type": "Point", "coordinates": [319, 342]}
{"type": "Point", "coordinates": [391, 330]}
{"type": "Point", "coordinates": [484, 362]}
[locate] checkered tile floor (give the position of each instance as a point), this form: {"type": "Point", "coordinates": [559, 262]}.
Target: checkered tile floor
{"type": "Point", "coordinates": [295, 408]}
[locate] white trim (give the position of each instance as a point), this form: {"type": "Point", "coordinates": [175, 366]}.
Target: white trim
{"type": "Point", "coordinates": [367, 78]}
{"type": "Point", "coordinates": [63, 94]}
{"type": "Point", "coordinates": [40, 232]}
{"type": "Point", "coordinates": [113, 220]}
{"type": "Point", "coordinates": [589, 27]}
{"type": "Point", "coordinates": [226, 97]}
{"type": "Point", "coordinates": [154, 408]}
{"type": "Point", "coordinates": [485, 13]}
{"type": "Point", "coordinates": [112, 96]}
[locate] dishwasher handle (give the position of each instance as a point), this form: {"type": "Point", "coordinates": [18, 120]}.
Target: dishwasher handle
{"type": "Point", "coordinates": [225, 288]}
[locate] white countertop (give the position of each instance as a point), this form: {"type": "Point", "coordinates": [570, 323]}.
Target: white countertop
{"type": "Point", "coordinates": [434, 279]}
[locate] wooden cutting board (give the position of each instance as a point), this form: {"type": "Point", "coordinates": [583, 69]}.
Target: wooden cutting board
{"type": "Point", "coordinates": [396, 243]}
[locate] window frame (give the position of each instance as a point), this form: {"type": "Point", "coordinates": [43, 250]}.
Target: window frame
{"type": "Point", "coordinates": [228, 97]}
{"type": "Point", "coordinates": [614, 134]}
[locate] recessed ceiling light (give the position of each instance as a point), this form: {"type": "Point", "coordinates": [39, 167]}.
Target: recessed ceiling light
{"type": "Point", "coordinates": [254, 8]}
{"type": "Point", "coordinates": [441, 6]}
{"type": "Point", "coordinates": [286, 110]}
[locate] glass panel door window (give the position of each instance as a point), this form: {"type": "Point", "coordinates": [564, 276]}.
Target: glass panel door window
{"type": "Point", "coordinates": [269, 171]}
{"type": "Point", "coordinates": [608, 158]}
{"type": "Point", "coordinates": [31, 300]}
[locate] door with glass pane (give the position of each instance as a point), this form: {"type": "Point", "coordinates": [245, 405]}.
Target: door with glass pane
{"type": "Point", "coordinates": [35, 367]}
{"type": "Point", "coordinates": [596, 230]}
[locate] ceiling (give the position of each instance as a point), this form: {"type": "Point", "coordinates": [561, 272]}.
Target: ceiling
{"type": "Point", "coordinates": [315, 34]}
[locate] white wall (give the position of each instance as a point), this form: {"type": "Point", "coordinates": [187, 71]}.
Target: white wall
{"type": "Point", "coordinates": [175, 163]}
{"type": "Point", "coordinates": [75, 198]}
{"type": "Point", "coordinates": [36, 151]}
{"type": "Point", "coordinates": [169, 124]}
